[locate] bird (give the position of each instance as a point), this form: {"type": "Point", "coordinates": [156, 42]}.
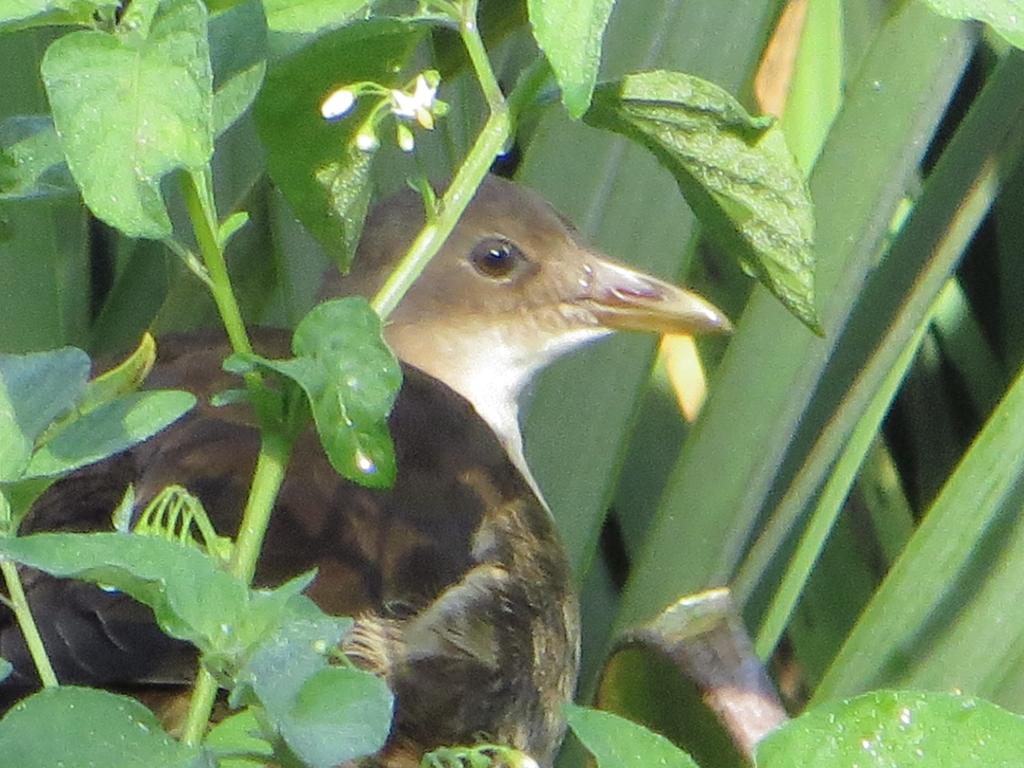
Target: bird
{"type": "Point", "coordinates": [456, 575]}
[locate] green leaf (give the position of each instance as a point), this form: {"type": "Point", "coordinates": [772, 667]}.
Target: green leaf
{"type": "Point", "coordinates": [108, 429]}
{"type": "Point", "coordinates": [31, 160]}
{"type": "Point", "coordinates": [619, 743]}
{"type": "Point", "coordinates": [278, 668]}
{"type": "Point", "coordinates": [236, 735]}
{"type": "Point", "coordinates": [314, 162]}
{"type": "Point", "coordinates": [238, 57]}
{"type": "Point", "coordinates": [1005, 16]}
{"type": "Point", "coordinates": [821, 523]}
{"type": "Point", "coordinates": [327, 715]}
{"type": "Point", "coordinates": [23, 13]}
{"type": "Point", "coordinates": [733, 169]}
{"type": "Point", "coordinates": [570, 32]}
{"type": "Point", "coordinates": [192, 597]}
{"type": "Point", "coordinates": [351, 379]}
{"type": "Point", "coordinates": [123, 379]}
{"type": "Point", "coordinates": [84, 727]}
{"type": "Point", "coordinates": [34, 390]}
{"type": "Point", "coordinates": [940, 564]}
{"type": "Point", "coordinates": [898, 728]}
{"type": "Point", "coordinates": [340, 714]}
{"type": "Point", "coordinates": [308, 17]}
{"type": "Point", "coordinates": [129, 109]}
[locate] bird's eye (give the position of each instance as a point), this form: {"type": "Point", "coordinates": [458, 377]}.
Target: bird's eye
{"type": "Point", "coordinates": [496, 258]}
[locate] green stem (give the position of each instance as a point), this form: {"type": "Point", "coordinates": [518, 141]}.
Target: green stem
{"type": "Point", "coordinates": [27, 624]}
{"type": "Point", "coordinates": [275, 446]}
{"type": "Point", "coordinates": [204, 225]}
{"type": "Point", "coordinates": [204, 694]}
{"type": "Point", "coordinates": [275, 451]}
{"type": "Point", "coordinates": [470, 175]}
{"type": "Point", "coordinates": [478, 56]}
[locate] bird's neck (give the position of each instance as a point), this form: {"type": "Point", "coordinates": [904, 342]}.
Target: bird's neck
{"type": "Point", "coordinates": [487, 370]}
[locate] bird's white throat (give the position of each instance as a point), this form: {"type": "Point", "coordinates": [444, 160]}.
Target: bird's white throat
{"type": "Point", "coordinates": [490, 368]}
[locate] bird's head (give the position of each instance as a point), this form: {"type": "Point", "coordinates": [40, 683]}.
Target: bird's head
{"type": "Point", "coordinates": [513, 288]}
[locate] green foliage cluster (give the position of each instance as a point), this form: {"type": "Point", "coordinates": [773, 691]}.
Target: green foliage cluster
{"type": "Point", "coordinates": [154, 109]}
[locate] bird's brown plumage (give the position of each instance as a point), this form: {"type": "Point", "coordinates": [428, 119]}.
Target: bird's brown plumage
{"type": "Point", "coordinates": [456, 575]}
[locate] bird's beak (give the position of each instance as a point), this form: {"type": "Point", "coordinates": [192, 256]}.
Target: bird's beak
{"type": "Point", "coordinates": [621, 298]}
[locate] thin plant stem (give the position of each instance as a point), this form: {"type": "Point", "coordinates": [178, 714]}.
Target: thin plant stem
{"type": "Point", "coordinates": [471, 173]}
{"type": "Point", "coordinates": [271, 464]}
{"type": "Point", "coordinates": [474, 43]}
{"type": "Point", "coordinates": [275, 451]}
{"type": "Point", "coordinates": [275, 445]}
{"type": "Point", "coordinates": [27, 624]}
{"type": "Point", "coordinates": [204, 225]}
{"type": "Point", "coordinates": [204, 694]}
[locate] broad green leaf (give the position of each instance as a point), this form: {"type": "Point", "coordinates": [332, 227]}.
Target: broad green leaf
{"type": "Point", "coordinates": [34, 390]}
{"type": "Point", "coordinates": [192, 597]}
{"type": "Point", "coordinates": [70, 726]}
{"type": "Point", "coordinates": [281, 664]}
{"type": "Point", "coordinates": [350, 378]}
{"type": "Point", "coordinates": [885, 729]}
{"type": "Point", "coordinates": [321, 172]}
{"type": "Point", "coordinates": [327, 715]}
{"type": "Point", "coordinates": [129, 109]}
{"type": "Point", "coordinates": [238, 53]}
{"type": "Point", "coordinates": [619, 743]}
{"type": "Point", "coordinates": [1005, 16]}
{"type": "Point", "coordinates": [108, 429]}
{"type": "Point", "coordinates": [570, 33]}
{"type": "Point", "coordinates": [734, 170]}
{"type": "Point", "coordinates": [20, 13]}
{"type": "Point", "coordinates": [340, 714]}
{"type": "Point", "coordinates": [31, 160]}
{"type": "Point", "coordinates": [312, 16]}
{"type": "Point", "coordinates": [238, 734]}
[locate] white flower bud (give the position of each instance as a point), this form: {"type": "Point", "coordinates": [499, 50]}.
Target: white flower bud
{"type": "Point", "coordinates": [405, 137]}
{"type": "Point", "coordinates": [337, 104]}
{"type": "Point", "coordinates": [367, 141]}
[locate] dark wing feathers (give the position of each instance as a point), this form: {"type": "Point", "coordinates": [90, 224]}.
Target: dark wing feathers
{"type": "Point", "coordinates": [456, 572]}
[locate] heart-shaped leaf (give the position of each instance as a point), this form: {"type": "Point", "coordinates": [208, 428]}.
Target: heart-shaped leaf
{"type": "Point", "coordinates": [131, 107]}
{"type": "Point", "coordinates": [61, 727]}
{"type": "Point", "coordinates": [350, 378]}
